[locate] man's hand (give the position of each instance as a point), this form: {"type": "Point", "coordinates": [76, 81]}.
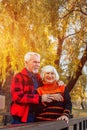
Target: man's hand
{"type": "Point", "coordinates": [61, 83]}
{"type": "Point", "coordinates": [63, 117]}
{"type": "Point", "coordinates": [57, 97]}
{"type": "Point", "coordinates": [46, 98]}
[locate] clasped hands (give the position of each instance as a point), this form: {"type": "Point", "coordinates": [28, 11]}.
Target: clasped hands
{"type": "Point", "coordinates": [52, 97]}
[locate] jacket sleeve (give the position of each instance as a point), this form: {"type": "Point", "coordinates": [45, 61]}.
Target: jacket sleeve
{"type": "Point", "coordinates": [19, 95]}
{"type": "Point", "coordinates": [68, 103]}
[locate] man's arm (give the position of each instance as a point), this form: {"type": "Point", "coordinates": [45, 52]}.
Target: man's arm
{"type": "Point", "coordinates": [25, 97]}
{"type": "Point", "coordinates": [21, 96]}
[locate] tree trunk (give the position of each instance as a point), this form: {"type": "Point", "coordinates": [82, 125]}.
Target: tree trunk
{"type": "Point", "coordinates": [59, 50]}
{"type": "Point", "coordinates": [73, 81]}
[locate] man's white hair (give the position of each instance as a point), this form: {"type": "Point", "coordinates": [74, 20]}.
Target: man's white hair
{"type": "Point", "coordinates": [49, 68]}
{"type": "Point", "coordinates": [29, 54]}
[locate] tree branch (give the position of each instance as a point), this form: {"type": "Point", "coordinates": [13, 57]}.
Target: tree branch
{"type": "Point", "coordinates": [73, 80]}
{"type": "Point", "coordinates": [73, 10]}
{"type": "Point", "coordinates": [71, 35]}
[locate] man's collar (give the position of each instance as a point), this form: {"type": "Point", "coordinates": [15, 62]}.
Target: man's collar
{"type": "Point", "coordinates": [31, 74]}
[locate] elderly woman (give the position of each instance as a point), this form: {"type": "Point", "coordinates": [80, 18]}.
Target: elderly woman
{"type": "Point", "coordinates": [55, 109]}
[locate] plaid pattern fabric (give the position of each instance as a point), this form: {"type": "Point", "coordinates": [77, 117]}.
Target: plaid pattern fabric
{"type": "Point", "coordinates": [22, 91]}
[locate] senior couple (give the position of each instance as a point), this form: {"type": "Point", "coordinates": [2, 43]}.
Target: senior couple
{"type": "Point", "coordinates": [38, 97]}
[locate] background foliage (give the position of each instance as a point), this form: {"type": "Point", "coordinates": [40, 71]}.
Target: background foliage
{"type": "Point", "coordinates": [57, 29]}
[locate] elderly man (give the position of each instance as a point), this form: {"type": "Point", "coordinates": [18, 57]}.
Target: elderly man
{"type": "Point", "coordinates": [23, 90]}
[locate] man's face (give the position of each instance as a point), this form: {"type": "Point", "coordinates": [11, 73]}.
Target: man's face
{"type": "Point", "coordinates": [33, 64]}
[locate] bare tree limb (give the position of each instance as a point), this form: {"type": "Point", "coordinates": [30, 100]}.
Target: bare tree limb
{"type": "Point", "coordinates": [73, 80]}
{"type": "Point", "coordinates": [71, 34]}
{"type": "Point", "coordinates": [73, 10]}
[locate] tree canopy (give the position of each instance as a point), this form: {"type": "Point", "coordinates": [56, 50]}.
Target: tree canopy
{"type": "Point", "coordinates": [57, 29]}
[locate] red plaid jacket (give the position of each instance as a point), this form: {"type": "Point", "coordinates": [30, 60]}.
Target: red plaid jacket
{"type": "Point", "coordinates": [22, 91]}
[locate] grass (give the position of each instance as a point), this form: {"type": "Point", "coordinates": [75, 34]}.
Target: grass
{"type": "Point", "coordinates": [79, 112]}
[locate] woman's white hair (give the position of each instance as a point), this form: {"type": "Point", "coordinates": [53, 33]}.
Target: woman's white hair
{"type": "Point", "coordinates": [49, 68]}
{"type": "Point", "coordinates": [29, 54]}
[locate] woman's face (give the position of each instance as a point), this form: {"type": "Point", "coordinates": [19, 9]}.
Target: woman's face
{"type": "Point", "coordinates": [49, 77]}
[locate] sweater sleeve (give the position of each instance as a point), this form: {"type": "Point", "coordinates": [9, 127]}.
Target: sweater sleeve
{"type": "Point", "coordinates": [68, 103]}
{"type": "Point", "coordinates": [19, 95]}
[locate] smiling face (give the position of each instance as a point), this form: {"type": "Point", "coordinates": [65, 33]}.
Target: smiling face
{"type": "Point", "coordinates": [33, 64]}
{"type": "Point", "coordinates": [49, 74]}
{"type": "Point", "coordinates": [49, 77]}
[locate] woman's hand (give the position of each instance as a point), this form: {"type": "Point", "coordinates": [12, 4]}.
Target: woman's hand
{"type": "Point", "coordinates": [63, 117]}
{"type": "Point", "coordinates": [52, 97]}
{"type": "Point", "coordinates": [46, 98]}
{"type": "Point", "coordinates": [56, 97]}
